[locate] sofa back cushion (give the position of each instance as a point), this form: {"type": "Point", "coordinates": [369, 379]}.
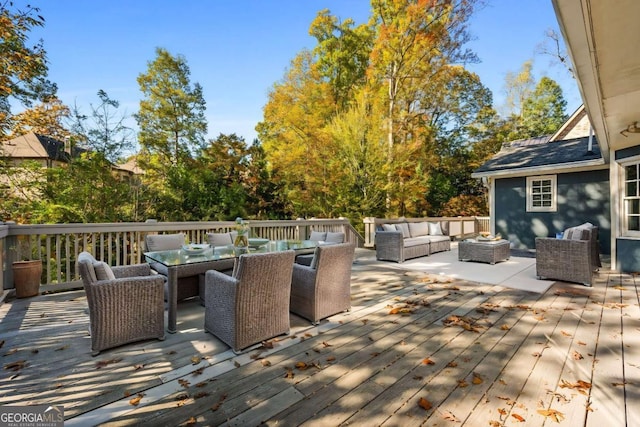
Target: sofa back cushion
{"type": "Point", "coordinates": [435, 229]}
{"type": "Point", "coordinates": [318, 236]}
{"type": "Point", "coordinates": [164, 242]}
{"type": "Point", "coordinates": [219, 239]}
{"type": "Point", "coordinates": [389, 227]}
{"type": "Point", "coordinates": [404, 227]}
{"type": "Point", "coordinates": [335, 237]}
{"type": "Point", "coordinates": [418, 229]}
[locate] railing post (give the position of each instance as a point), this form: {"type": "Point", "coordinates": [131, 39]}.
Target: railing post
{"type": "Point", "coordinates": [11, 249]}
{"type": "Point", "coordinates": [369, 232]}
{"type": "Point", "coordinates": [303, 230]}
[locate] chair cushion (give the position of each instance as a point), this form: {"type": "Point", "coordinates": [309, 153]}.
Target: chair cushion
{"type": "Point", "coordinates": [404, 227]}
{"type": "Point", "coordinates": [435, 229]}
{"type": "Point", "coordinates": [103, 271]}
{"type": "Point", "coordinates": [318, 236]}
{"type": "Point", "coordinates": [389, 227]}
{"type": "Point", "coordinates": [416, 241]}
{"type": "Point", "coordinates": [335, 237]}
{"type": "Point", "coordinates": [575, 233]}
{"type": "Point", "coordinates": [219, 239]}
{"type": "Point", "coordinates": [164, 242]}
{"type": "Point", "coordinates": [418, 229]}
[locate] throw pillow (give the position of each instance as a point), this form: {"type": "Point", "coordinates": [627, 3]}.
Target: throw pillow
{"type": "Point", "coordinates": [219, 239]}
{"type": "Point", "coordinates": [418, 229]}
{"type": "Point", "coordinates": [103, 271]}
{"type": "Point", "coordinates": [389, 227]}
{"type": "Point", "coordinates": [404, 227]}
{"type": "Point", "coordinates": [435, 229]}
{"type": "Point", "coordinates": [318, 236]}
{"type": "Point", "coordinates": [335, 237]}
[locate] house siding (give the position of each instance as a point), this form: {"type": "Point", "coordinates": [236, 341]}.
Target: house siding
{"type": "Point", "coordinates": [581, 197]}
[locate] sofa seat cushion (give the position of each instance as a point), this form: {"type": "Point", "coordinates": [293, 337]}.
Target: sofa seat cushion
{"type": "Point", "coordinates": [416, 241]}
{"type": "Point", "coordinates": [438, 238]}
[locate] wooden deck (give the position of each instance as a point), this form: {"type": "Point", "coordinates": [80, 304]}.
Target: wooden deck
{"type": "Point", "coordinates": [416, 349]}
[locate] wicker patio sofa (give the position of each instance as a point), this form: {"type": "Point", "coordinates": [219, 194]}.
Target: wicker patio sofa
{"type": "Point", "coordinates": [402, 240]}
{"type": "Point", "coordinates": [572, 258]}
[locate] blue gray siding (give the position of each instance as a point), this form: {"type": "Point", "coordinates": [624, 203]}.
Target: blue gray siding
{"type": "Point", "coordinates": [582, 197]}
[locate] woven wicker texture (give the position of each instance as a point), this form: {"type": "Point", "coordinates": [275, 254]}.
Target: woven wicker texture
{"type": "Point", "coordinates": [252, 305]}
{"type": "Point", "coordinates": [326, 290]}
{"type": "Point", "coordinates": [568, 260]}
{"type": "Point", "coordinates": [490, 252]}
{"type": "Point", "coordinates": [390, 246]}
{"type": "Point", "coordinates": [127, 309]}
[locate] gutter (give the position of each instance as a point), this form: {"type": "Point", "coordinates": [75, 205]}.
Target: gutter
{"type": "Point", "coordinates": [557, 168]}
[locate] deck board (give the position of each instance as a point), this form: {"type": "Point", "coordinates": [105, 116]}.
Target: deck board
{"type": "Point", "coordinates": [365, 367]}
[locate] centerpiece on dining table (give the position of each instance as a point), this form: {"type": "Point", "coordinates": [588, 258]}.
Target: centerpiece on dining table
{"type": "Point", "coordinates": [241, 242]}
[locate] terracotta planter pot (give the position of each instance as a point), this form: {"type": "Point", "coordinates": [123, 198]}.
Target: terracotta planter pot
{"type": "Point", "coordinates": [26, 278]}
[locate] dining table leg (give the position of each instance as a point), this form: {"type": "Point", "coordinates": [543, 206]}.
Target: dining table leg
{"type": "Point", "coordinates": [172, 299]}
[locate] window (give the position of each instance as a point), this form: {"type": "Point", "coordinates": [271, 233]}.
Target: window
{"type": "Point", "coordinates": [541, 193]}
{"type": "Point", "coordinates": [632, 198]}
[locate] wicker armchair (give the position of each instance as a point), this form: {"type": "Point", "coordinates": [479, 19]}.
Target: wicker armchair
{"type": "Point", "coordinates": [252, 305]}
{"type": "Point", "coordinates": [570, 260]}
{"type": "Point", "coordinates": [324, 288]}
{"type": "Point", "coordinates": [126, 303]}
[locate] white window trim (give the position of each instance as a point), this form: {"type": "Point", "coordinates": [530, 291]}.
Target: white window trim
{"type": "Point", "coordinates": [622, 182]}
{"type": "Point", "coordinates": [554, 194]}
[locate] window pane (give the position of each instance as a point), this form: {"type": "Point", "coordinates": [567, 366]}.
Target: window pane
{"type": "Point", "coordinates": [632, 188]}
{"type": "Point", "coordinates": [634, 223]}
{"type": "Point", "coordinates": [631, 172]}
{"type": "Point", "coordinates": [633, 206]}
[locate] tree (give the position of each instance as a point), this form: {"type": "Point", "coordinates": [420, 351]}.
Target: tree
{"type": "Point", "coordinates": [104, 130]}
{"type": "Point", "coordinates": [171, 117]}
{"type": "Point", "coordinates": [23, 68]}
{"type": "Point", "coordinates": [46, 118]}
{"type": "Point", "coordinates": [543, 112]}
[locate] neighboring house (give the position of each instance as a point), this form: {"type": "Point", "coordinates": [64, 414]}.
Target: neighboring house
{"type": "Point", "coordinates": [601, 37]}
{"type": "Point", "coordinates": [539, 187]}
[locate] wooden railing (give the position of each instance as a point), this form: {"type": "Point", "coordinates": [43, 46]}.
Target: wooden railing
{"type": "Point", "coordinates": [58, 245]}
{"type": "Point", "coordinates": [459, 227]}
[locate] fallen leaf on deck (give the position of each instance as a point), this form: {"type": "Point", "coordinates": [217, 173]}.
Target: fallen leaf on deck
{"type": "Point", "coordinates": [580, 386]}
{"type": "Point", "coordinates": [463, 383]}
{"type": "Point", "coordinates": [301, 366]}
{"type": "Point", "coordinates": [15, 366]}
{"type": "Point", "coordinates": [136, 400]}
{"type": "Point", "coordinates": [620, 288]}
{"type": "Point", "coordinates": [518, 417]}
{"type": "Point", "coordinates": [201, 384]}
{"type": "Point", "coordinates": [424, 404]}
{"type": "Point", "coordinates": [184, 383]}
{"type": "Point", "coordinates": [236, 364]}
{"type": "Point", "coordinates": [502, 412]}
{"type": "Point", "coordinates": [418, 377]}
{"type": "Point", "coordinates": [364, 321]}
{"type": "Point", "coordinates": [171, 352]}
{"type": "Point", "coordinates": [308, 335]}
{"type": "Point", "coordinates": [198, 371]}
{"type": "Point", "coordinates": [195, 360]}
{"type": "Point", "coordinates": [375, 354]}
{"type": "Point", "coordinates": [552, 413]}
{"type": "Point", "coordinates": [138, 367]}
{"type": "Point", "coordinates": [494, 423]}
{"type": "Point", "coordinates": [477, 379]}
{"type": "Point", "coordinates": [103, 363]}
{"type": "Point", "coordinates": [265, 362]}
{"type": "Point", "coordinates": [427, 361]}
{"type": "Point", "coordinates": [326, 344]}
{"type": "Point", "coordinates": [289, 375]}
{"type": "Point", "coordinates": [505, 327]}
{"type": "Point", "coordinates": [127, 393]}
{"type": "Point", "coordinates": [566, 334]}
{"type": "Point", "coordinates": [331, 358]}
{"type": "Point", "coordinates": [449, 416]}
{"type": "Point", "coordinates": [201, 394]}
{"type": "Point", "coordinates": [452, 364]}
{"type": "Point", "coordinates": [191, 420]}
{"type": "Point", "coordinates": [582, 343]}
{"type": "Point", "coordinates": [267, 344]}
{"type": "Point", "coordinates": [577, 356]}
{"type": "Point", "coordinates": [217, 405]}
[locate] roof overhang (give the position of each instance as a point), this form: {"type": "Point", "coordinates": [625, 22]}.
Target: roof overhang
{"type": "Point", "coordinates": [602, 38]}
{"type": "Point", "coordinates": [544, 170]}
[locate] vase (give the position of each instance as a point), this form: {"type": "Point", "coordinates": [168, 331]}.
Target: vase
{"type": "Point", "coordinates": [26, 278]}
{"type": "Point", "coordinates": [241, 244]}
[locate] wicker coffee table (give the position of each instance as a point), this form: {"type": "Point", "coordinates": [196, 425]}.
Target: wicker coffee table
{"type": "Point", "coordinates": [490, 251]}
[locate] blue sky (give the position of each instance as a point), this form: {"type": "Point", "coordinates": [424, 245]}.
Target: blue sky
{"type": "Point", "coordinates": [237, 49]}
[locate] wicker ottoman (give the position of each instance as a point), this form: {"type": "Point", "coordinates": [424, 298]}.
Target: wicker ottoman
{"type": "Point", "coordinates": [490, 252]}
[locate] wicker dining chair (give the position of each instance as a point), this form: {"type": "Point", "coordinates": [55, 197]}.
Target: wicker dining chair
{"type": "Point", "coordinates": [126, 303]}
{"type": "Point", "coordinates": [323, 288]}
{"type": "Point", "coordinates": [252, 305]}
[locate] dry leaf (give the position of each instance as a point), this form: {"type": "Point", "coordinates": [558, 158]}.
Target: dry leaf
{"type": "Point", "coordinates": [289, 375]}
{"type": "Point", "coordinates": [308, 335]}
{"type": "Point", "coordinates": [127, 393]}
{"type": "Point", "coordinates": [424, 404]}
{"type": "Point", "coordinates": [326, 344]}
{"type": "Point", "coordinates": [217, 405]}
{"type": "Point", "coordinates": [236, 364]}
{"type": "Point", "coordinates": [427, 361]}
{"type": "Point", "coordinates": [191, 420]}
{"type": "Point", "coordinates": [364, 321]}
{"type": "Point", "coordinates": [452, 364]}
{"type": "Point", "coordinates": [566, 334]}
{"type": "Point", "coordinates": [331, 358]}
{"type": "Point", "coordinates": [136, 400]}
{"type": "Point", "coordinates": [195, 360]}
{"type": "Point", "coordinates": [301, 366]}
{"type": "Point", "coordinates": [201, 394]}
{"type": "Point", "coordinates": [171, 352]}
{"type": "Point", "coordinates": [184, 383]}
{"type": "Point", "coordinates": [418, 377]}
{"type": "Point", "coordinates": [463, 383]}
{"type": "Point", "coordinates": [518, 417]}
{"type": "Point", "coordinates": [582, 343]}
{"type": "Point", "coordinates": [265, 362]}
{"type": "Point", "coordinates": [577, 356]}
{"type": "Point", "coordinates": [201, 384]}
{"type": "Point", "coordinates": [505, 327]}
{"type": "Point", "coordinates": [267, 344]}
{"type": "Point", "coordinates": [477, 379]}
{"type": "Point", "coordinates": [620, 288]}
{"type": "Point", "coordinates": [15, 366]}
{"type": "Point", "coordinates": [138, 367]}
{"type": "Point", "coordinates": [197, 372]}
{"type": "Point", "coordinates": [449, 416]}
{"type": "Point", "coordinates": [552, 413]}
{"type": "Point", "coordinates": [494, 423]}
{"type": "Point", "coordinates": [103, 363]}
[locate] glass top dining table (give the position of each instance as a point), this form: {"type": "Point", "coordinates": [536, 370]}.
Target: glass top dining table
{"type": "Point", "coordinates": [195, 262]}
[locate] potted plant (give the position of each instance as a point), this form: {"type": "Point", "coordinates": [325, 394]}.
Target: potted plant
{"type": "Point", "coordinates": [26, 273]}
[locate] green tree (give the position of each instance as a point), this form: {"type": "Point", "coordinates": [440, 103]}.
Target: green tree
{"type": "Point", "coordinates": [46, 118]}
{"type": "Point", "coordinates": [518, 87]}
{"type": "Point", "coordinates": [543, 112]}
{"type": "Point", "coordinates": [171, 116]}
{"type": "Point", "coordinates": [23, 67]}
{"type": "Point", "coordinates": [104, 130]}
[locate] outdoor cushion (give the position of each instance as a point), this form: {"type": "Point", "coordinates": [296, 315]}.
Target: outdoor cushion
{"type": "Point", "coordinates": [164, 242]}
{"type": "Point", "coordinates": [418, 229]}
{"type": "Point", "coordinates": [435, 229]}
{"type": "Point", "coordinates": [415, 241]}
{"type": "Point", "coordinates": [103, 271]}
{"type": "Point", "coordinates": [318, 236]}
{"type": "Point", "coordinates": [438, 238]}
{"type": "Point", "coordinates": [219, 239]}
{"type": "Point", "coordinates": [404, 227]}
{"type": "Point", "coordinates": [575, 233]}
{"type": "Point", "coordinates": [389, 227]}
{"type": "Point", "coordinates": [334, 237]}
